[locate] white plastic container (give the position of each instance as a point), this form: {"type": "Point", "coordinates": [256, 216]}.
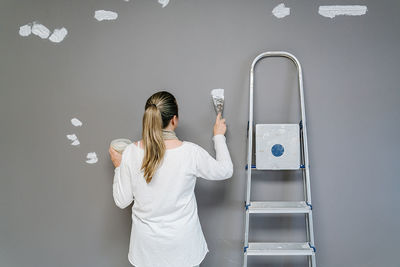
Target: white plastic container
{"type": "Point", "coordinates": [120, 144]}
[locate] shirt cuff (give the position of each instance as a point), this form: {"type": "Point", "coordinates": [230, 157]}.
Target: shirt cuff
{"type": "Point", "coordinates": [219, 137]}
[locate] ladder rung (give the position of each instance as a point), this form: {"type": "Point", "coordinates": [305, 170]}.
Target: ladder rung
{"type": "Point", "coordinates": [279, 207]}
{"type": "Point", "coordinates": [291, 248]}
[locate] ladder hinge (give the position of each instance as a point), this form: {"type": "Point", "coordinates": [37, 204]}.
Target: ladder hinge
{"type": "Point", "coordinates": [245, 248]}
{"type": "Point", "coordinates": [301, 124]}
{"type": "Point", "coordinates": [312, 247]}
{"type": "Point", "coordinates": [302, 166]}
{"type": "Point", "coordinates": [252, 166]}
{"type": "Point", "coordinates": [309, 204]}
{"type": "Point", "coordinates": [247, 205]}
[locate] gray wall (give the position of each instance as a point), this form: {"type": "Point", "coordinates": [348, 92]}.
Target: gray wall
{"type": "Point", "coordinates": [57, 210]}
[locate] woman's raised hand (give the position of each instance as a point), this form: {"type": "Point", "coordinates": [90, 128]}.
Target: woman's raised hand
{"type": "Point", "coordinates": [219, 126]}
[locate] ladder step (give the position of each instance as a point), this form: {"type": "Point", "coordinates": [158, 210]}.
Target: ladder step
{"type": "Point", "coordinates": [277, 249]}
{"type": "Point", "coordinates": [301, 166]}
{"type": "Point", "coordinates": [279, 207]}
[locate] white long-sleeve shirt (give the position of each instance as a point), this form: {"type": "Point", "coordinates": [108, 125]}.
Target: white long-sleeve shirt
{"type": "Point", "coordinates": [166, 230]}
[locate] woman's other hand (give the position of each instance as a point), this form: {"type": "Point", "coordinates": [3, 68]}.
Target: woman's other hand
{"type": "Point", "coordinates": [115, 157]}
{"type": "Point", "coordinates": [219, 126]}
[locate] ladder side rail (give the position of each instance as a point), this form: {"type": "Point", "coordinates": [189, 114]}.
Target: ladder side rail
{"type": "Point", "coordinates": [250, 138]}
{"type": "Point", "coordinates": [304, 128]}
{"type": "Point", "coordinates": [310, 231]}
{"type": "Point", "coordinates": [309, 220]}
{"type": "Point", "coordinates": [249, 159]}
{"type": "Point", "coordinates": [303, 174]}
{"type": "Point", "coordinates": [310, 259]}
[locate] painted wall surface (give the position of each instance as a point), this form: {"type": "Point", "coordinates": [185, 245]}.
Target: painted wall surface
{"type": "Point", "coordinates": [57, 210]}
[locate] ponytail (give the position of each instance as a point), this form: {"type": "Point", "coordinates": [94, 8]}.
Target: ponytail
{"type": "Point", "coordinates": [153, 142]}
{"type": "Point", "coordinates": [159, 109]}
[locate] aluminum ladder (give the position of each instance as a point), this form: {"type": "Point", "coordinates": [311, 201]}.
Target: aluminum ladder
{"type": "Point", "coordinates": [272, 207]}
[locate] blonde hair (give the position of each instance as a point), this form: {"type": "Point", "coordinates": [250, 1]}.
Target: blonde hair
{"type": "Point", "coordinates": [160, 108]}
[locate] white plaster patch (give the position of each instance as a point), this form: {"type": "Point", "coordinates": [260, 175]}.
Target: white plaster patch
{"type": "Point", "coordinates": [25, 30]}
{"type": "Point", "coordinates": [332, 11]}
{"type": "Point", "coordinates": [280, 11]}
{"type": "Point", "coordinates": [43, 32]}
{"type": "Point", "coordinates": [40, 30]}
{"type": "Point", "coordinates": [76, 122]}
{"type": "Point", "coordinates": [105, 15]}
{"type": "Point", "coordinates": [74, 139]}
{"type": "Point", "coordinates": [91, 158]}
{"type": "Point", "coordinates": [164, 3]}
{"type": "Point", "coordinates": [58, 35]}
{"type": "Point", "coordinates": [75, 142]}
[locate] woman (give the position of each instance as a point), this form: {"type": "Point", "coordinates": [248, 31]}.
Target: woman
{"type": "Point", "coordinates": [158, 173]}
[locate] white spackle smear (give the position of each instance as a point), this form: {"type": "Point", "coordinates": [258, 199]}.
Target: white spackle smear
{"type": "Point", "coordinates": [217, 93]}
{"type": "Point", "coordinates": [75, 143]}
{"type": "Point", "coordinates": [91, 158]}
{"type": "Point", "coordinates": [58, 35]}
{"type": "Point", "coordinates": [164, 3]}
{"type": "Point", "coordinates": [280, 11]}
{"type": "Point", "coordinates": [25, 30]}
{"type": "Point", "coordinates": [217, 96]}
{"type": "Point", "coordinates": [74, 139]}
{"type": "Point", "coordinates": [40, 30]}
{"type": "Point", "coordinates": [332, 11]}
{"type": "Point", "coordinates": [76, 122]}
{"type": "Point", "coordinates": [105, 15]}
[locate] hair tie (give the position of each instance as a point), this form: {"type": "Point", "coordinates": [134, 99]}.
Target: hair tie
{"type": "Point", "coordinates": [151, 105]}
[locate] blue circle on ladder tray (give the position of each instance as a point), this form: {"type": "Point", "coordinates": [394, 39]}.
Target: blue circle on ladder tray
{"type": "Point", "coordinates": [277, 150]}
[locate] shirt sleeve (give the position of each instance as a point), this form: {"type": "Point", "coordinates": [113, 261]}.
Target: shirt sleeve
{"type": "Point", "coordinates": [214, 169]}
{"type": "Point", "coordinates": [122, 185]}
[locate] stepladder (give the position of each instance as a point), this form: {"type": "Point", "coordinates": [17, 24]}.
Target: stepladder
{"type": "Point", "coordinates": [279, 147]}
